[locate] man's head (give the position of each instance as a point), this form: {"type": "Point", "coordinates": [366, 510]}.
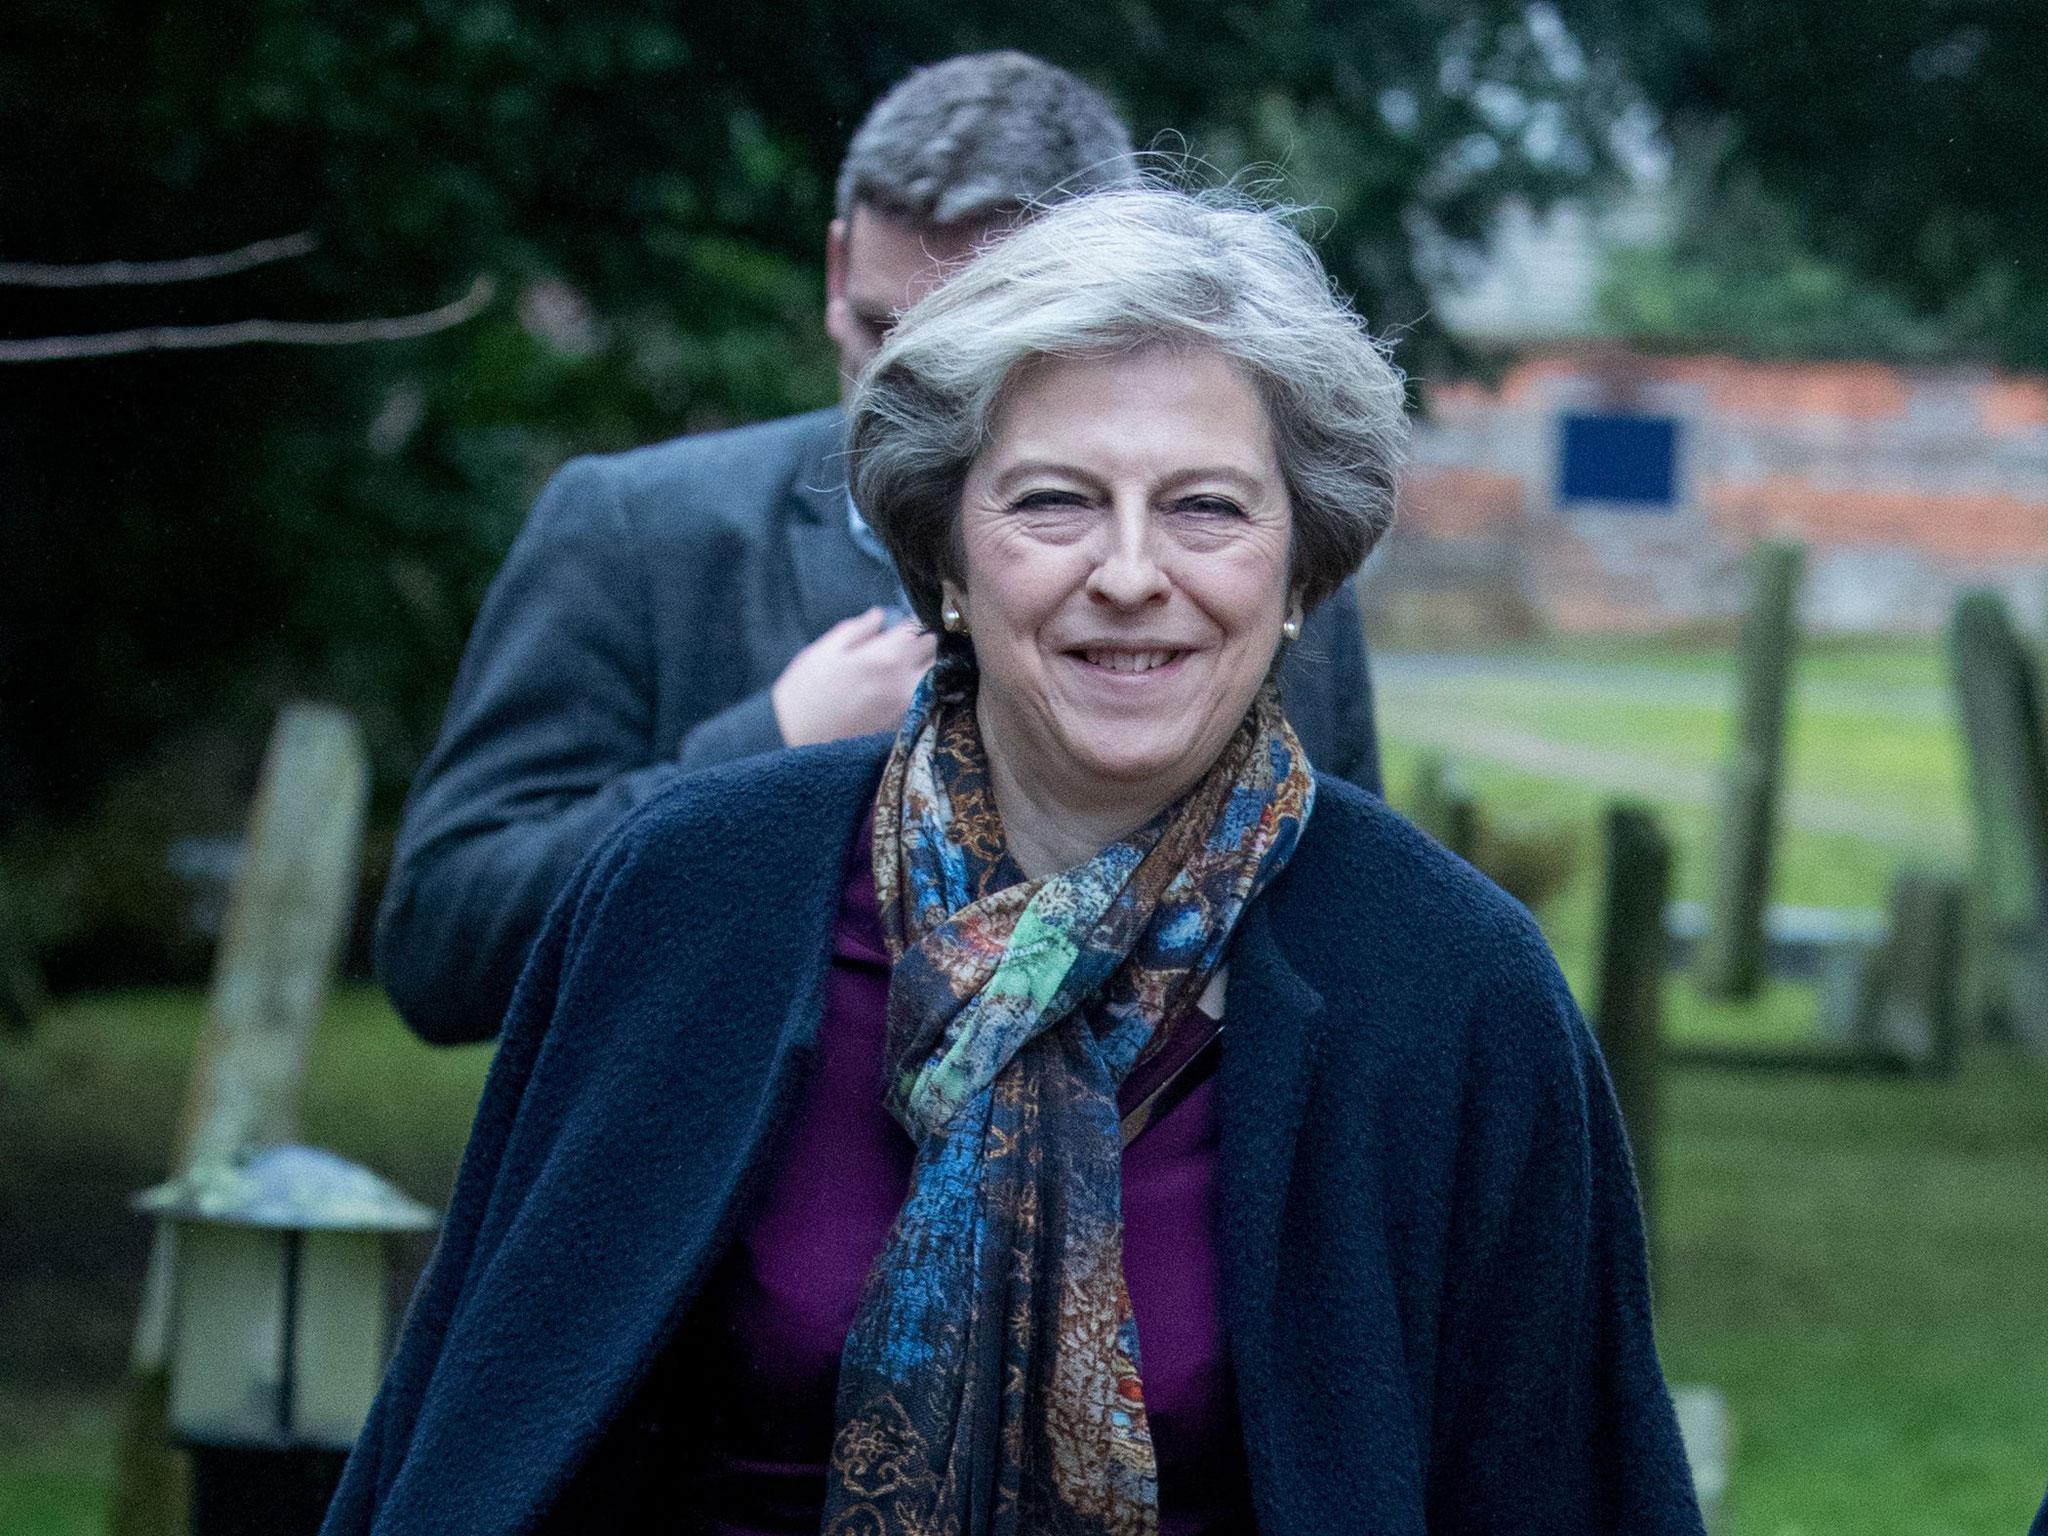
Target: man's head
{"type": "Point", "coordinates": [949, 154]}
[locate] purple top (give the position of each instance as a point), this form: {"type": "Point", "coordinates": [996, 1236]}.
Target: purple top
{"type": "Point", "coordinates": [775, 1316]}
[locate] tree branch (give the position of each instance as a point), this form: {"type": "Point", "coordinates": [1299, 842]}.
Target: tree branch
{"type": "Point", "coordinates": [242, 333]}
{"type": "Point", "coordinates": [186, 269]}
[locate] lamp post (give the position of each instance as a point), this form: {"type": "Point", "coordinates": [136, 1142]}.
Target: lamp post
{"type": "Point", "coordinates": [280, 1329]}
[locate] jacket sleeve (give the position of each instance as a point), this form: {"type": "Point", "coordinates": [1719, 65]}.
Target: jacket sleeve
{"type": "Point", "coordinates": [1359, 746]}
{"type": "Point", "coordinates": [1328, 694]}
{"type": "Point", "coordinates": [547, 743]}
{"type": "Point", "coordinates": [1551, 1413]}
{"type": "Point", "coordinates": [742, 730]}
{"type": "Point", "coordinates": [497, 1165]}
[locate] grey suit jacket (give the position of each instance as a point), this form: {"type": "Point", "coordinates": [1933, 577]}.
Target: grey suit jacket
{"type": "Point", "coordinates": [634, 631]}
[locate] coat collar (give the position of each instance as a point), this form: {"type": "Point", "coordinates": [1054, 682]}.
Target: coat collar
{"type": "Point", "coordinates": [835, 577]}
{"type": "Point", "coordinates": [1268, 1053]}
{"type": "Point", "coordinates": [818, 490]}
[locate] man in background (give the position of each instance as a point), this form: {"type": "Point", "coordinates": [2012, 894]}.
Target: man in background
{"type": "Point", "coordinates": [718, 596]}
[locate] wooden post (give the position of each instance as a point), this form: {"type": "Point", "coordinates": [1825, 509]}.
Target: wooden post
{"type": "Point", "coordinates": [1731, 961]}
{"type": "Point", "coordinates": [1997, 696]}
{"type": "Point", "coordinates": [21, 981]}
{"type": "Point", "coordinates": [1628, 1010]}
{"type": "Point", "coordinates": [1912, 1013]}
{"type": "Point", "coordinates": [1444, 804]}
{"type": "Point", "coordinates": [287, 918]}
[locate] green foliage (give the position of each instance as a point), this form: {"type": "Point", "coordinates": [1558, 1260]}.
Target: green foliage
{"type": "Point", "coordinates": [1740, 274]}
{"type": "Point", "coordinates": [189, 539]}
{"type": "Point", "coordinates": [1899, 143]}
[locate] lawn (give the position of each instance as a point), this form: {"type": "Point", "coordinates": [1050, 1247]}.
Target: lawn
{"type": "Point", "coordinates": [1861, 1265]}
{"type": "Point", "coordinates": [87, 1110]}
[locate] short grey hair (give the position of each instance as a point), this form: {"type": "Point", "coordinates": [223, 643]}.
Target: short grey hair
{"type": "Point", "coordinates": [979, 136]}
{"type": "Point", "coordinates": [1114, 272]}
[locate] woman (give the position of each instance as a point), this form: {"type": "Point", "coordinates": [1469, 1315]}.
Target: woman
{"type": "Point", "coordinates": [1366, 1259]}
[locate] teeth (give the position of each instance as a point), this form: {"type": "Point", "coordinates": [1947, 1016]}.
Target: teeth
{"type": "Point", "coordinates": [1130, 661]}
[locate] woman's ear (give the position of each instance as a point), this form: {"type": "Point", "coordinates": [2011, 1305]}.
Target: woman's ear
{"type": "Point", "coordinates": [952, 609]}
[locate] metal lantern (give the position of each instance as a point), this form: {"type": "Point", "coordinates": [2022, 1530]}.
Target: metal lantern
{"type": "Point", "coordinates": [281, 1324]}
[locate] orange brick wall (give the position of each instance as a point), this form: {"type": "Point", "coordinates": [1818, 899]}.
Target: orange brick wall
{"type": "Point", "coordinates": [1968, 528]}
{"type": "Point", "coordinates": [1916, 481]}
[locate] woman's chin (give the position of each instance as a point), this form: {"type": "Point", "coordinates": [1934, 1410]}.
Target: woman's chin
{"type": "Point", "coordinates": [1151, 769]}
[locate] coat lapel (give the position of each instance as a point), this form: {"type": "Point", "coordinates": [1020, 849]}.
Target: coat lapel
{"type": "Point", "coordinates": [1271, 1021]}
{"type": "Point", "coordinates": [835, 577]}
{"type": "Point", "coordinates": [1270, 1015]}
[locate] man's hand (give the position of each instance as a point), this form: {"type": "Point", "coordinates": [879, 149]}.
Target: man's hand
{"type": "Point", "coordinates": [853, 680]}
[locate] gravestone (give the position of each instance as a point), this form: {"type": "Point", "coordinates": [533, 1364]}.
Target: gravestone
{"type": "Point", "coordinates": [1900, 999]}
{"type": "Point", "coordinates": [1444, 805]}
{"type": "Point", "coordinates": [1628, 1015]}
{"type": "Point", "coordinates": [287, 917]}
{"type": "Point", "coordinates": [1731, 960]}
{"type": "Point", "coordinates": [1998, 694]}
{"type": "Point", "coordinates": [1628, 1010]}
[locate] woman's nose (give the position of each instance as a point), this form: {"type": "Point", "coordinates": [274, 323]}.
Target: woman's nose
{"type": "Point", "coordinates": [1127, 570]}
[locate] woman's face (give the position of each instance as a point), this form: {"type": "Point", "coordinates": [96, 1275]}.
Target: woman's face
{"type": "Point", "coordinates": [1126, 536]}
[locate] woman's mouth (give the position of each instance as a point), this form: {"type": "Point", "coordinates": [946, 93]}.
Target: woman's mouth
{"type": "Point", "coordinates": [1133, 661]}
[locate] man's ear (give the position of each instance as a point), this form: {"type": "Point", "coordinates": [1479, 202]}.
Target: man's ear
{"type": "Point", "coordinates": [835, 261]}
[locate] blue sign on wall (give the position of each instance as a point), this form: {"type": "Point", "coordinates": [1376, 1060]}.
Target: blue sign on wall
{"type": "Point", "coordinates": [1627, 460]}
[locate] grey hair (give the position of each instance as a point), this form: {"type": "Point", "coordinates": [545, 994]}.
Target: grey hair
{"type": "Point", "coordinates": [981, 135]}
{"type": "Point", "coordinates": [1113, 272]}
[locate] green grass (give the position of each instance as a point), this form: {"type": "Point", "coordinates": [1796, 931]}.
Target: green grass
{"type": "Point", "coordinates": [1870, 734]}
{"type": "Point", "coordinates": [88, 1109]}
{"type": "Point", "coordinates": [1861, 1266]}
{"type": "Point", "coordinates": [1903, 660]}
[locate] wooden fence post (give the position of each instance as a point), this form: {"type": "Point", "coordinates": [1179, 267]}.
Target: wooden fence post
{"type": "Point", "coordinates": [1997, 692]}
{"type": "Point", "coordinates": [1444, 805]}
{"type": "Point", "coordinates": [21, 980]}
{"type": "Point", "coordinates": [287, 917]}
{"type": "Point", "coordinates": [1731, 961]}
{"type": "Point", "coordinates": [1628, 1010]}
{"type": "Point", "coordinates": [1913, 1013]}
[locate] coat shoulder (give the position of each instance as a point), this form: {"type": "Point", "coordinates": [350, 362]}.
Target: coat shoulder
{"type": "Point", "coordinates": [1359, 855]}
{"type": "Point", "coordinates": [717, 471]}
{"type": "Point", "coordinates": [1384, 921]}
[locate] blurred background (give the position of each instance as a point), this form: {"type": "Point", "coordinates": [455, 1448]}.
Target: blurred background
{"type": "Point", "coordinates": [1667, 281]}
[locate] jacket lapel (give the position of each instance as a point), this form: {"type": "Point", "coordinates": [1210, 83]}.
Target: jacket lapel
{"type": "Point", "coordinates": [1271, 1020]}
{"type": "Point", "coordinates": [835, 577]}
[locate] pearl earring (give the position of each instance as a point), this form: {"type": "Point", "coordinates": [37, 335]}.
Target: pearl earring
{"type": "Point", "coordinates": [952, 618]}
{"type": "Point", "coordinates": [1290, 628]}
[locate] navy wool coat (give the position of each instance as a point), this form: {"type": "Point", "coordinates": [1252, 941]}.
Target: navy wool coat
{"type": "Point", "coordinates": [1434, 1282]}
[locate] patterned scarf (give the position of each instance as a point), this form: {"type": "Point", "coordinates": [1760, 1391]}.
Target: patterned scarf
{"type": "Point", "coordinates": [990, 1385]}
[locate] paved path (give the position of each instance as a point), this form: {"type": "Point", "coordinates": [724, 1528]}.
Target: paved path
{"type": "Point", "coordinates": [1412, 707]}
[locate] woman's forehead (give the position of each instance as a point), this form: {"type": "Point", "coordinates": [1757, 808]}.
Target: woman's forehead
{"type": "Point", "coordinates": [1136, 409]}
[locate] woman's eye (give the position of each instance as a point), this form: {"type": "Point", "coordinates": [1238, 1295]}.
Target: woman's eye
{"type": "Point", "coordinates": [1039, 500]}
{"type": "Point", "coordinates": [1211, 506]}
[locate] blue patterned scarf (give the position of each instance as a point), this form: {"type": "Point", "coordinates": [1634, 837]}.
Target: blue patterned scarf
{"type": "Point", "coordinates": [991, 1382]}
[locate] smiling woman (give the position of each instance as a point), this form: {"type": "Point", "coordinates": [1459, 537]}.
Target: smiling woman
{"type": "Point", "coordinates": [867, 1150]}
{"type": "Point", "coordinates": [1124, 543]}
